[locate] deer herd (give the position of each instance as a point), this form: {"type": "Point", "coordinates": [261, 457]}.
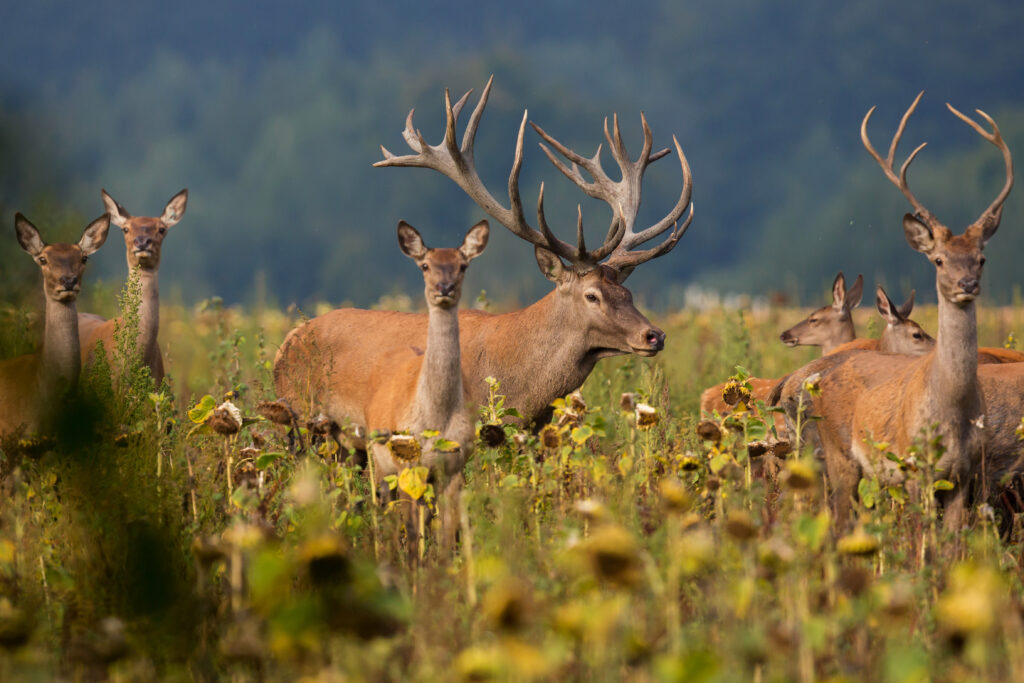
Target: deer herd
{"type": "Point", "coordinates": [384, 378]}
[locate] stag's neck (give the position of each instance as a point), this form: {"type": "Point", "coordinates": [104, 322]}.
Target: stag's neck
{"type": "Point", "coordinates": [149, 313]}
{"type": "Point", "coordinates": [954, 370]}
{"type": "Point", "coordinates": [439, 388]}
{"type": "Point", "coordinates": [60, 360]}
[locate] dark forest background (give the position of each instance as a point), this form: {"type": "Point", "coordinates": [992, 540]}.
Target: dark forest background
{"type": "Point", "coordinates": [272, 113]}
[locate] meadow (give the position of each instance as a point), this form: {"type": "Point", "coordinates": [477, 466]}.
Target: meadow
{"type": "Point", "coordinates": [618, 543]}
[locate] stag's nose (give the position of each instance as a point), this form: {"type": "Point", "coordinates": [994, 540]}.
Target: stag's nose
{"type": "Point", "coordinates": [445, 288]}
{"type": "Point", "coordinates": [143, 243]}
{"type": "Point", "coordinates": [655, 339]}
{"type": "Point", "coordinates": [969, 285]}
{"type": "Point", "coordinates": [68, 281]}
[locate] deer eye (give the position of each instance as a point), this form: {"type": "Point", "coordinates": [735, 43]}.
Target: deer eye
{"type": "Point", "coordinates": [424, 267]}
{"type": "Point", "coordinates": [162, 231]}
{"type": "Point", "coordinates": [124, 230]}
{"type": "Point", "coordinates": [462, 268]}
{"type": "Point", "coordinates": [42, 260]}
{"type": "Point", "coordinates": [918, 336]}
{"type": "Point", "coordinates": [813, 321]}
{"type": "Point", "coordinates": [982, 261]}
{"type": "Point", "coordinates": [590, 297]}
{"type": "Point", "coordinates": [938, 262]}
{"type": "Point", "coordinates": [84, 259]}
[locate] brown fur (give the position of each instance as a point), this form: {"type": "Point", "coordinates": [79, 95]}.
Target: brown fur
{"type": "Point", "coordinates": [143, 239]}
{"type": "Point", "coordinates": [31, 384]}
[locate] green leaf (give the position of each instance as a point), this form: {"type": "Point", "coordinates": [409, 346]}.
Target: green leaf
{"type": "Point", "coordinates": [446, 446]}
{"type": "Point", "coordinates": [867, 490]}
{"type": "Point", "coordinates": [267, 459]}
{"type": "Point", "coordinates": [430, 433]}
{"type": "Point", "coordinates": [392, 481]}
{"type": "Point", "coordinates": [512, 412]}
{"type": "Point", "coordinates": [943, 485]}
{"type": "Point", "coordinates": [812, 530]}
{"type": "Point", "coordinates": [413, 481]}
{"type": "Point", "coordinates": [201, 411]}
{"type": "Point", "coordinates": [581, 434]}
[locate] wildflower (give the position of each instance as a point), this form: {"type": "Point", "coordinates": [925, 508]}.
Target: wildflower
{"type": "Point", "coordinates": [277, 412]}
{"type": "Point", "coordinates": [646, 416]}
{"type": "Point", "coordinates": [674, 495]}
{"type": "Point", "coordinates": [404, 447]}
{"type": "Point", "coordinates": [812, 384]}
{"type": "Point", "coordinates": [735, 392]}
{"type": "Point", "coordinates": [508, 605]}
{"type": "Point", "coordinates": [613, 555]}
{"type": "Point", "coordinates": [740, 526]}
{"type": "Point", "coordinates": [492, 434]}
{"type": "Point", "coordinates": [709, 431]}
{"type": "Point", "coordinates": [799, 475]}
{"type": "Point", "coordinates": [689, 462]}
{"type": "Point", "coordinates": [627, 402]}
{"type": "Point", "coordinates": [859, 542]}
{"type": "Point", "coordinates": [550, 437]}
{"type": "Point", "coordinates": [226, 419]}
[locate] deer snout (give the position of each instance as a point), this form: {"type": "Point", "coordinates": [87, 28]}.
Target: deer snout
{"type": "Point", "coordinates": [655, 339]}
{"type": "Point", "coordinates": [143, 243]}
{"type": "Point", "coordinates": [445, 288]}
{"type": "Point", "coordinates": [787, 338]}
{"type": "Point", "coordinates": [68, 282]}
{"type": "Point", "coordinates": [969, 285]}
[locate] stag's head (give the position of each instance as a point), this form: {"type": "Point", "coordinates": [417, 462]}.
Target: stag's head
{"type": "Point", "coordinates": [958, 259]}
{"type": "Point", "coordinates": [589, 287]}
{"type": "Point", "coordinates": [62, 265]}
{"type": "Point", "coordinates": [444, 268]}
{"type": "Point", "coordinates": [829, 326]}
{"type": "Point", "coordinates": [144, 235]}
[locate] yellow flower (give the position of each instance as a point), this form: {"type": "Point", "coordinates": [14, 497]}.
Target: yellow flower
{"type": "Point", "coordinates": [735, 392]}
{"type": "Point", "coordinates": [859, 542]}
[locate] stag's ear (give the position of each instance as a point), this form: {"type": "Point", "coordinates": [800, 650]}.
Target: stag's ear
{"type": "Point", "coordinates": [918, 234]}
{"type": "Point", "coordinates": [175, 208]}
{"type": "Point", "coordinates": [118, 215]}
{"type": "Point", "coordinates": [550, 264]}
{"type": "Point", "coordinates": [28, 236]}
{"type": "Point", "coordinates": [476, 240]}
{"type": "Point", "coordinates": [854, 294]}
{"type": "Point", "coordinates": [907, 306]}
{"type": "Point", "coordinates": [886, 308]}
{"type": "Point", "coordinates": [95, 235]}
{"type": "Point", "coordinates": [410, 242]}
{"type": "Point", "coordinates": [839, 291]}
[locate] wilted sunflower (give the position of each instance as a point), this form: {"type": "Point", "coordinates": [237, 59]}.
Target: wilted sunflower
{"type": "Point", "coordinates": [405, 447]}
{"type": "Point", "coordinates": [740, 526]}
{"type": "Point", "coordinates": [627, 402]}
{"type": "Point", "coordinates": [550, 437]}
{"type": "Point", "coordinates": [971, 601]}
{"type": "Point", "coordinates": [508, 605]}
{"type": "Point", "coordinates": [36, 445]}
{"type": "Point", "coordinates": [208, 550]}
{"type": "Point", "coordinates": [226, 419]}
{"type": "Point", "coordinates": [674, 495]}
{"type": "Point", "coordinates": [799, 475]}
{"type": "Point", "coordinates": [646, 416]}
{"type": "Point", "coordinates": [577, 403]}
{"type": "Point", "coordinates": [859, 542]}
{"type": "Point", "coordinates": [15, 625]}
{"type": "Point", "coordinates": [689, 462]}
{"type": "Point", "coordinates": [325, 558]}
{"type": "Point", "coordinates": [492, 434]}
{"type": "Point", "coordinates": [277, 412]}
{"type": "Point", "coordinates": [755, 449]}
{"type": "Point", "coordinates": [709, 431]}
{"type": "Point", "coordinates": [735, 392]}
{"type": "Point", "coordinates": [613, 555]}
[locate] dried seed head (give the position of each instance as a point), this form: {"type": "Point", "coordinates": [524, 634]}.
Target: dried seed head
{"type": "Point", "coordinates": [782, 447]}
{"type": "Point", "coordinates": [689, 462]}
{"type": "Point", "coordinates": [735, 392]}
{"type": "Point", "coordinates": [755, 449]}
{"type": "Point", "coordinates": [319, 425]}
{"type": "Point", "coordinates": [674, 495]}
{"type": "Point", "coordinates": [405, 447]}
{"type": "Point", "coordinates": [709, 431]}
{"type": "Point", "coordinates": [577, 403]}
{"type": "Point", "coordinates": [740, 526]}
{"type": "Point", "coordinates": [799, 475]}
{"type": "Point", "coordinates": [613, 555]}
{"type": "Point", "coordinates": [508, 605]}
{"type": "Point", "coordinates": [859, 542]}
{"type": "Point", "coordinates": [550, 437]}
{"type": "Point", "coordinates": [226, 419]}
{"type": "Point", "coordinates": [325, 558]}
{"type": "Point", "coordinates": [646, 416]}
{"type": "Point", "coordinates": [627, 402]}
{"type": "Point", "coordinates": [277, 412]}
{"type": "Point", "coordinates": [493, 435]}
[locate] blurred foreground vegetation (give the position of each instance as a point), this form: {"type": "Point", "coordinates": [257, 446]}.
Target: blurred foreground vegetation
{"type": "Point", "coordinates": [616, 544]}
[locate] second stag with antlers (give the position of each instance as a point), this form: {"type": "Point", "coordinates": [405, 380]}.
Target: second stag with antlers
{"type": "Point", "coordinates": [538, 353]}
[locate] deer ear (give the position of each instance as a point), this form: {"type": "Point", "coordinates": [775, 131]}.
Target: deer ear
{"type": "Point", "coordinates": [855, 294]}
{"type": "Point", "coordinates": [118, 215]}
{"type": "Point", "coordinates": [550, 264]}
{"type": "Point", "coordinates": [918, 234]}
{"type": "Point", "coordinates": [886, 308]}
{"type": "Point", "coordinates": [476, 240]}
{"type": "Point", "coordinates": [28, 236]}
{"type": "Point", "coordinates": [175, 208]}
{"type": "Point", "coordinates": [95, 235]}
{"type": "Point", "coordinates": [839, 291]}
{"type": "Point", "coordinates": [907, 306]}
{"type": "Point", "coordinates": [410, 242]}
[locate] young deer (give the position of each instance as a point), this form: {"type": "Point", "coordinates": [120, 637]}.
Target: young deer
{"type": "Point", "coordinates": [419, 390]}
{"type": "Point", "coordinates": [143, 239]}
{"type": "Point", "coordinates": [32, 385]}
{"type": "Point", "coordinates": [538, 353]}
{"type": "Point", "coordinates": [896, 398]}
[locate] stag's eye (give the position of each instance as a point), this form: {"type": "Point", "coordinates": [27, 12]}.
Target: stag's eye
{"type": "Point", "coordinates": [813, 321]}
{"type": "Point", "coordinates": [84, 259]}
{"type": "Point", "coordinates": [590, 297]}
{"type": "Point", "coordinates": [462, 268]}
{"type": "Point", "coordinates": [424, 267]}
{"type": "Point", "coordinates": [982, 261]}
{"type": "Point", "coordinates": [162, 231]}
{"type": "Point", "coordinates": [42, 260]}
{"type": "Point", "coordinates": [124, 230]}
{"type": "Point", "coordinates": [938, 262]}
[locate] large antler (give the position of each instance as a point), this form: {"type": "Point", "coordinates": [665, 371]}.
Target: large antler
{"type": "Point", "coordinates": [990, 217]}
{"type": "Point", "coordinates": [457, 163]}
{"type": "Point", "coordinates": [887, 164]}
{"type": "Point", "coordinates": [624, 196]}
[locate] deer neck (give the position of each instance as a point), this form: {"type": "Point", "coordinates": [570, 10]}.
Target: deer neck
{"type": "Point", "coordinates": [149, 313]}
{"type": "Point", "coordinates": [60, 362]}
{"type": "Point", "coordinates": [439, 388]}
{"type": "Point", "coordinates": [954, 369]}
{"type": "Point", "coordinates": [847, 333]}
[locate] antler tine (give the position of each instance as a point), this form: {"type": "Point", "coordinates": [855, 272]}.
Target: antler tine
{"type": "Point", "coordinates": [899, 180]}
{"type": "Point", "coordinates": [474, 119]}
{"type": "Point", "coordinates": [626, 261]}
{"type": "Point", "coordinates": [578, 257]}
{"type": "Point", "coordinates": [996, 138]}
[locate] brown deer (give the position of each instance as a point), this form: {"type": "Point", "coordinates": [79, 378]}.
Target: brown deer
{"type": "Point", "coordinates": [829, 326]}
{"type": "Point", "coordinates": [538, 353]}
{"type": "Point", "coordinates": [31, 385]}
{"type": "Point", "coordinates": [143, 240]}
{"type": "Point", "coordinates": [900, 335]}
{"type": "Point", "coordinates": [420, 391]}
{"type": "Point", "coordinates": [895, 398]}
